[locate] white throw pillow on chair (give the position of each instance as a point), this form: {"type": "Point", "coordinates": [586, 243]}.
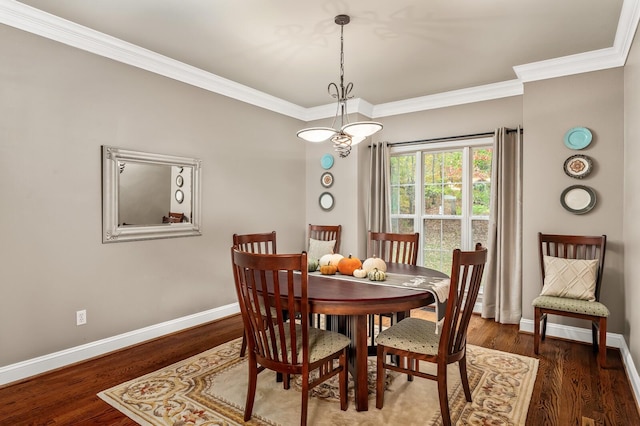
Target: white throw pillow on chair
{"type": "Point", "coordinates": [318, 248]}
{"type": "Point", "coordinates": [570, 278]}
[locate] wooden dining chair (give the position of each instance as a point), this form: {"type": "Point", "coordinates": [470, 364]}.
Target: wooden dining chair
{"type": "Point", "coordinates": [414, 339]}
{"type": "Point", "coordinates": [316, 250]}
{"type": "Point", "coordinates": [264, 243]}
{"type": "Point", "coordinates": [395, 248]}
{"type": "Point", "coordinates": [274, 343]}
{"type": "Point", "coordinates": [326, 233]}
{"type": "Point", "coordinates": [572, 267]}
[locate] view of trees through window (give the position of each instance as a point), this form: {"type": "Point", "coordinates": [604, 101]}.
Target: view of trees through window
{"type": "Point", "coordinates": [450, 205]}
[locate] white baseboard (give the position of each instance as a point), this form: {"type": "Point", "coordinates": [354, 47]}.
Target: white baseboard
{"type": "Point", "coordinates": [32, 367]}
{"type": "Point", "coordinates": [614, 340]}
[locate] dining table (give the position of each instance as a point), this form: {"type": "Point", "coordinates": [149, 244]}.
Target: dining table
{"type": "Point", "coordinates": [348, 301]}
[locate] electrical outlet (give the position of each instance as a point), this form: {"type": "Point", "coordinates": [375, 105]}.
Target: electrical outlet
{"type": "Point", "coordinates": [81, 317]}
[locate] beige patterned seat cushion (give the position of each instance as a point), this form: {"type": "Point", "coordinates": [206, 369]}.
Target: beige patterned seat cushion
{"type": "Point", "coordinates": [572, 278]}
{"type": "Point", "coordinates": [322, 343]}
{"type": "Point", "coordinates": [411, 334]}
{"type": "Point", "coordinates": [571, 305]}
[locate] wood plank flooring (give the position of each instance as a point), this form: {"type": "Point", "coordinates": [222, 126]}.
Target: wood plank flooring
{"type": "Point", "coordinates": [570, 388]}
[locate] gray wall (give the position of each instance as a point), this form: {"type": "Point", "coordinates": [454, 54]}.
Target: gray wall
{"type": "Point", "coordinates": [551, 107]}
{"type": "Point", "coordinates": [58, 105]}
{"type": "Point", "coordinates": [631, 204]}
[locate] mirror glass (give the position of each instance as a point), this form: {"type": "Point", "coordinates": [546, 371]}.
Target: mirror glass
{"type": "Point", "coordinates": [148, 195]}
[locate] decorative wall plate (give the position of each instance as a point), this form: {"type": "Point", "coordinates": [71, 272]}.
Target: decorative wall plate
{"type": "Point", "coordinates": [578, 166]}
{"type": "Point", "coordinates": [179, 181]}
{"type": "Point", "coordinates": [326, 179]}
{"type": "Point", "coordinates": [326, 161]}
{"type": "Point", "coordinates": [578, 199]}
{"type": "Point", "coordinates": [326, 201]}
{"type": "Point", "coordinates": [577, 138]}
{"type": "Point", "coordinates": [179, 196]}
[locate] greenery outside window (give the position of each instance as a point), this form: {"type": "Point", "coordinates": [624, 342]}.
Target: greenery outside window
{"type": "Point", "coordinates": [442, 190]}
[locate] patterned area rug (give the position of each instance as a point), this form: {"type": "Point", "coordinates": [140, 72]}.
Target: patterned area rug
{"type": "Point", "coordinates": [210, 389]}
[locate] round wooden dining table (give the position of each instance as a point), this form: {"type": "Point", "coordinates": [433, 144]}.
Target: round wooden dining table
{"type": "Point", "coordinates": [348, 303]}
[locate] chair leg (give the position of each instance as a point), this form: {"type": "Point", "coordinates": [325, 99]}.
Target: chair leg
{"type": "Point", "coordinates": [536, 330]}
{"type": "Point", "coordinates": [243, 348]}
{"type": "Point", "coordinates": [594, 336]}
{"type": "Point", "coordinates": [464, 377]}
{"type": "Point", "coordinates": [251, 390]}
{"type": "Point", "coordinates": [442, 394]}
{"type": "Point", "coordinates": [544, 326]}
{"type": "Point", "coordinates": [305, 398]}
{"type": "Point", "coordinates": [380, 372]}
{"type": "Point", "coordinates": [344, 382]}
{"type": "Point", "coordinates": [602, 353]}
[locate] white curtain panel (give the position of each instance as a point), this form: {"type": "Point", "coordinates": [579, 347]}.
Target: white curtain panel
{"type": "Point", "coordinates": [502, 295]}
{"type": "Point", "coordinates": [378, 218]}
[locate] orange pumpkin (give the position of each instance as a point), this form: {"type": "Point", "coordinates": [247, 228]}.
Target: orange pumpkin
{"type": "Point", "coordinates": [347, 265]}
{"type": "Point", "coordinates": [328, 270]}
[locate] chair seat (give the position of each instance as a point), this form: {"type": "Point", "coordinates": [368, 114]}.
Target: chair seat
{"type": "Point", "coordinates": [322, 343]}
{"type": "Point", "coordinates": [571, 305]}
{"type": "Point", "coordinates": [411, 334]}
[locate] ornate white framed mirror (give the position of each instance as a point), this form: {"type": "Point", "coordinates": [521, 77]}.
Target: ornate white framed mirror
{"type": "Point", "coordinates": [138, 195]}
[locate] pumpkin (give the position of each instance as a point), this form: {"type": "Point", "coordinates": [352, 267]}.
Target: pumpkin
{"type": "Point", "coordinates": [325, 259]}
{"type": "Point", "coordinates": [328, 270]}
{"type": "Point", "coordinates": [313, 265]}
{"type": "Point", "coordinates": [330, 259]}
{"type": "Point", "coordinates": [360, 273]}
{"type": "Point", "coordinates": [374, 263]}
{"type": "Point", "coordinates": [377, 275]}
{"type": "Point", "coordinates": [347, 265]}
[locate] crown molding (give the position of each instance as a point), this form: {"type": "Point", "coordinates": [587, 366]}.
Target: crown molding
{"type": "Point", "coordinates": [595, 60]}
{"type": "Point", "coordinates": [35, 21]}
{"type": "Point", "coordinates": [455, 97]}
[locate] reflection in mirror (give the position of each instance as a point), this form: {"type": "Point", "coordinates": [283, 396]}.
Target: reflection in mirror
{"type": "Point", "coordinates": [140, 195]}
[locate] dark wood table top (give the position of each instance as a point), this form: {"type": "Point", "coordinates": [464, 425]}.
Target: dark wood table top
{"type": "Point", "coordinates": [328, 295]}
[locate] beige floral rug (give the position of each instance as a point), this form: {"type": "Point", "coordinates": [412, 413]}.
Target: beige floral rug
{"type": "Point", "coordinates": [210, 389]}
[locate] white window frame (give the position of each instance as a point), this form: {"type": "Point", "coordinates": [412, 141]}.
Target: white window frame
{"type": "Point", "coordinates": [418, 216]}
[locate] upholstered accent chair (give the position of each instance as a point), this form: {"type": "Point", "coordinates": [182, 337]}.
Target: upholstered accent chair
{"type": "Point", "coordinates": [277, 343]}
{"type": "Point", "coordinates": [572, 267]}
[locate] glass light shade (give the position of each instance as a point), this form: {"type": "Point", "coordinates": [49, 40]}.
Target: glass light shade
{"type": "Point", "coordinates": [362, 128]}
{"type": "Point", "coordinates": [316, 134]}
{"type": "Point", "coordinates": [356, 139]}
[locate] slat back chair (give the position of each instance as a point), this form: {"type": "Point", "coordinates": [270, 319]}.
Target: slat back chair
{"type": "Point", "coordinates": [396, 248]}
{"type": "Point", "coordinates": [326, 233]}
{"type": "Point", "coordinates": [414, 339]}
{"type": "Point", "coordinates": [274, 342]}
{"type": "Point", "coordinates": [264, 243]}
{"type": "Point", "coordinates": [573, 247]}
{"type": "Point", "coordinates": [392, 247]}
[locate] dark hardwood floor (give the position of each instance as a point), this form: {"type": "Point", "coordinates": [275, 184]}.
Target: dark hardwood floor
{"type": "Point", "coordinates": [570, 388]}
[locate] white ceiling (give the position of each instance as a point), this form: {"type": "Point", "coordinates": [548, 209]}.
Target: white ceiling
{"type": "Point", "coordinates": [394, 50]}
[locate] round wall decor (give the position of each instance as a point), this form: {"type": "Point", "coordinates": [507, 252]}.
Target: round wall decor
{"type": "Point", "coordinates": [326, 179]}
{"type": "Point", "coordinates": [326, 201]}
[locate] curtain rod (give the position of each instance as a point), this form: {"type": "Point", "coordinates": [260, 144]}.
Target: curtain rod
{"type": "Point", "coordinates": [450, 138]}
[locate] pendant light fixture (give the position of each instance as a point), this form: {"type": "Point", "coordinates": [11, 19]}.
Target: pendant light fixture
{"type": "Point", "coordinates": [349, 134]}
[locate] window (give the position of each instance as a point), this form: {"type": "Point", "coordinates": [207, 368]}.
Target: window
{"type": "Point", "coordinates": [442, 191]}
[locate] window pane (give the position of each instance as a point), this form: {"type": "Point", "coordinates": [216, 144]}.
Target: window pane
{"type": "Point", "coordinates": [481, 181]}
{"type": "Point", "coordinates": [403, 187]}
{"type": "Point", "coordinates": [440, 237]}
{"type": "Point", "coordinates": [443, 183]}
{"type": "Point", "coordinates": [480, 232]}
{"type": "Point", "coordinates": [402, 225]}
